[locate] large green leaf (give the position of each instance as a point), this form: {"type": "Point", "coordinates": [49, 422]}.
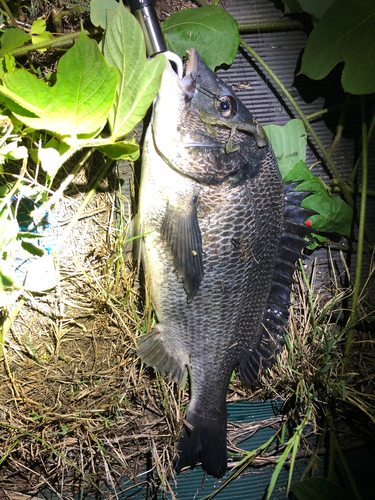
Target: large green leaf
{"type": "Point", "coordinates": [289, 144]}
{"type": "Point", "coordinates": [314, 7]}
{"type": "Point", "coordinates": [319, 488]}
{"type": "Point", "coordinates": [139, 79]}
{"type": "Point", "coordinates": [210, 30]}
{"type": "Point", "coordinates": [344, 34]}
{"type": "Point", "coordinates": [292, 7]}
{"type": "Point", "coordinates": [334, 215]}
{"type": "Point", "coordinates": [101, 11]}
{"type": "Point", "coordinates": [80, 100]}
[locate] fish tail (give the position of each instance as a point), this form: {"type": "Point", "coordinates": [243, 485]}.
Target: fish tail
{"type": "Point", "coordinates": [204, 441]}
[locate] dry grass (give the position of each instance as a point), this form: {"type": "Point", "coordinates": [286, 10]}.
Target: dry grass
{"type": "Point", "coordinates": [310, 367]}
{"type": "Point", "coordinates": [77, 411]}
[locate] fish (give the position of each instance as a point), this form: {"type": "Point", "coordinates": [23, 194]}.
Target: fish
{"type": "Point", "coordinates": [219, 237]}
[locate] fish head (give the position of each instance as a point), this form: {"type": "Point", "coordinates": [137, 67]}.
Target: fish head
{"type": "Point", "coordinates": [202, 130]}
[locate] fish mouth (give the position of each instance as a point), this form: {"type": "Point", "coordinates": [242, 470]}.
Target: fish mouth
{"type": "Point", "coordinates": [188, 83]}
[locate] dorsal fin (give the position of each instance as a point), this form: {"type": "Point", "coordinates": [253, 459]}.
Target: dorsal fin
{"type": "Point", "coordinates": [275, 318]}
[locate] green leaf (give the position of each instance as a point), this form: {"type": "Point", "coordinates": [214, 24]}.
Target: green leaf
{"type": "Point", "coordinates": [79, 102]}
{"type": "Point", "coordinates": [289, 144]}
{"type": "Point", "coordinates": [121, 150]}
{"type": "Point", "coordinates": [292, 7]}
{"type": "Point", "coordinates": [10, 63]}
{"type": "Point", "coordinates": [30, 248]}
{"type": "Point", "coordinates": [335, 215]}
{"type": "Point", "coordinates": [7, 277]}
{"type": "Point", "coordinates": [38, 27]}
{"type": "Point", "coordinates": [12, 39]}
{"type": "Point", "coordinates": [39, 34]}
{"type": "Point", "coordinates": [344, 34]}
{"type": "Point", "coordinates": [319, 488]}
{"type": "Point", "coordinates": [101, 11]}
{"type": "Point", "coordinates": [8, 228]}
{"type": "Point", "coordinates": [139, 79]}
{"type": "Point", "coordinates": [316, 8]}
{"type": "Point", "coordinates": [30, 236]}
{"type": "Point", "coordinates": [13, 152]}
{"type": "Point", "coordinates": [210, 30]}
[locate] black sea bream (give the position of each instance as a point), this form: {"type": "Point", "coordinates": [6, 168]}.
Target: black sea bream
{"type": "Point", "coordinates": [223, 234]}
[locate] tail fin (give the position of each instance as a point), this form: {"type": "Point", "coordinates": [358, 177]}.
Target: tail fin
{"type": "Point", "coordinates": [204, 440]}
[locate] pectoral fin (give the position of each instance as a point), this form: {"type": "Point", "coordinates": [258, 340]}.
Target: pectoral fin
{"type": "Point", "coordinates": [181, 231]}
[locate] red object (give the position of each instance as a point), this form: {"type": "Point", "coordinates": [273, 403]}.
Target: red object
{"type": "Point", "coordinates": [308, 223]}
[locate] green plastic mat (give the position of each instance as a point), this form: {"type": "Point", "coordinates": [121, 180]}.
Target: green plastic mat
{"type": "Point", "coordinates": [253, 483]}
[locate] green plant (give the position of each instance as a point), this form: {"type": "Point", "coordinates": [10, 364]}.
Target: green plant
{"type": "Point", "coordinates": [95, 103]}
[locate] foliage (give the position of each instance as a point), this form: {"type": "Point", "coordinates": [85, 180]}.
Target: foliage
{"type": "Point", "coordinates": [91, 90]}
{"type": "Point", "coordinates": [343, 33]}
{"type": "Point", "coordinates": [210, 30]}
{"type": "Point", "coordinates": [77, 105]}
{"type": "Point", "coordinates": [289, 144]}
{"type": "Point", "coordinates": [314, 7]}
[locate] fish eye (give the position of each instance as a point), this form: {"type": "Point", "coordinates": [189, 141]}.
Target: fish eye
{"type": "Point", "coordinates": [226, 106]}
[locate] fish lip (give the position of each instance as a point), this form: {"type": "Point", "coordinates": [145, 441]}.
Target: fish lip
{"type": "Point", "coordinates": [187, 83]}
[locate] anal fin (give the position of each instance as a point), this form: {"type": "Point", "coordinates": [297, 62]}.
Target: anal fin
{"type": "Point", "coordinates": [153, 352]}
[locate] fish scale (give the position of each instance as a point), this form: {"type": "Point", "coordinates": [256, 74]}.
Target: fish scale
{"type": "Point", "coordinates": [215, 219]}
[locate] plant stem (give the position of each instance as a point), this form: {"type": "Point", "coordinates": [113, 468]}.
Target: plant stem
{"type": "Point", "coordinates": [16, 185]}
{"type": "Point", "coordinates": [346, 467]}
{"type": "Point", "coordinates": [11, 17]}
{"type": "Point", "coordinates": [270, 27]}
{"type": "Point", "coordinates": [327, 159]}
{"type": "Point", "coordinates": [8, 322]}
{"type": "Point", "coordinates": [64, 41]}
{"type": "Point", "coordinates": [361, 230]}
{"type": "Point", "coordinates": [351, 177]}
{"type": "Point", "coordinates": [312, 310]}
{"type": "Point", "coordinates": [340, 127]}
{"type": "Point", "coordinates": [336, 189]}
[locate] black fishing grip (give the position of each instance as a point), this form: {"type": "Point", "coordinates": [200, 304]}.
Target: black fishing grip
{"type": "Point", "coordinates": [144, 11]}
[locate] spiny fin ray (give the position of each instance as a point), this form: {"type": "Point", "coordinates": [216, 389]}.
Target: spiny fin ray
{"type": "Point", "coordinates": [271, 335]}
